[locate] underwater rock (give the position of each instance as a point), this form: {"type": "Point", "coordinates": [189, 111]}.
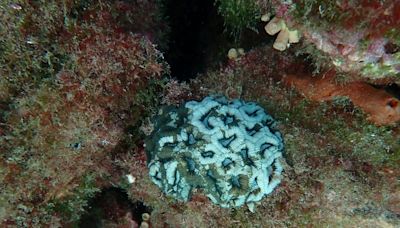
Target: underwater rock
{"type": "Point", "coordinates": [360, 37]}
{"type": "Point", "coordinates": [61, 133]}
{"type": "Point", "coordinates": [229, 149]}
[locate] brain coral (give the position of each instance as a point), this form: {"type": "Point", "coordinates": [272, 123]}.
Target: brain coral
{"type": "Point", "coordinates": [230, 150]}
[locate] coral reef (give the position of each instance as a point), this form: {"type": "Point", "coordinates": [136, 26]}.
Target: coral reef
{"type": "Point", "coordinates": [230, 150]}
{"type": "Point", "coordinates": [72, 128]}
{"type": "Point", "coordinates": [360, 36]}
{"type": "Point", "coordinates": [36, 36]}
{"type": "Point", "coordinates": [340, 170]}
{"type": "Point", "coordinates": [80, 80]}
{"type": "Point", "coordinates": [31, 49]}
{"type": "Point", "coordinates": [61, 127]}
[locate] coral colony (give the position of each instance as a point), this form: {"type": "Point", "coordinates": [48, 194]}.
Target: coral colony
{"type": "Point", "coordinates": [230, 150]}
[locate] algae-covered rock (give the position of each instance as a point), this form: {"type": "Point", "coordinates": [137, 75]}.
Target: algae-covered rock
{"type": "Point", "coordinates": [229, 149]}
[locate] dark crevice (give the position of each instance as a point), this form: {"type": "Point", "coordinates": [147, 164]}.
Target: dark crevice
{"type": "Point", "coordinates": [393, 89]}
{"type": "Point", "coordinates": [194, 24]}
{"type": "Point", "coordinates": [111, 206]}
{"type": "Point", "coordinates": [197, 40]}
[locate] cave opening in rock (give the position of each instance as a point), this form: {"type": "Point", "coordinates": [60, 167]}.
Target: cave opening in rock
{"type": "Point", "coordinates": [393, 89]}
{"type": "Point", "coordinates": [198, 40]}
{"type": "Point", "coordinates": [195, 27]}
{"type": "Point", "coordinates": [112, 206]}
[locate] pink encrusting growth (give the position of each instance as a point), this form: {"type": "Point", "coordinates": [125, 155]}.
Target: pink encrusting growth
{"type": "Point", "coordinates": [365, 37]}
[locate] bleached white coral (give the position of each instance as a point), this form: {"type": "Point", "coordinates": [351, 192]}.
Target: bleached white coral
{"type": "Point", "coordinates": [231, 150]}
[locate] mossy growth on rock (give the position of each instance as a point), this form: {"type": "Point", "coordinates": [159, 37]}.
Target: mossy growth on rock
{"type": "Point", "coordinates": [238, 15]}
{"type": "Point", "coordinates": [229, 149]}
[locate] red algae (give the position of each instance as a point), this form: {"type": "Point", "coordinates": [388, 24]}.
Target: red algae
{"type": "Point", "coordinates": [348, 33]}
{"type": "Point", "coordinates": [381, 107]}
{"type": "Point", "coordinates": [61, 134]}
{"type": "Point", "coordinates": [90, 74]}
